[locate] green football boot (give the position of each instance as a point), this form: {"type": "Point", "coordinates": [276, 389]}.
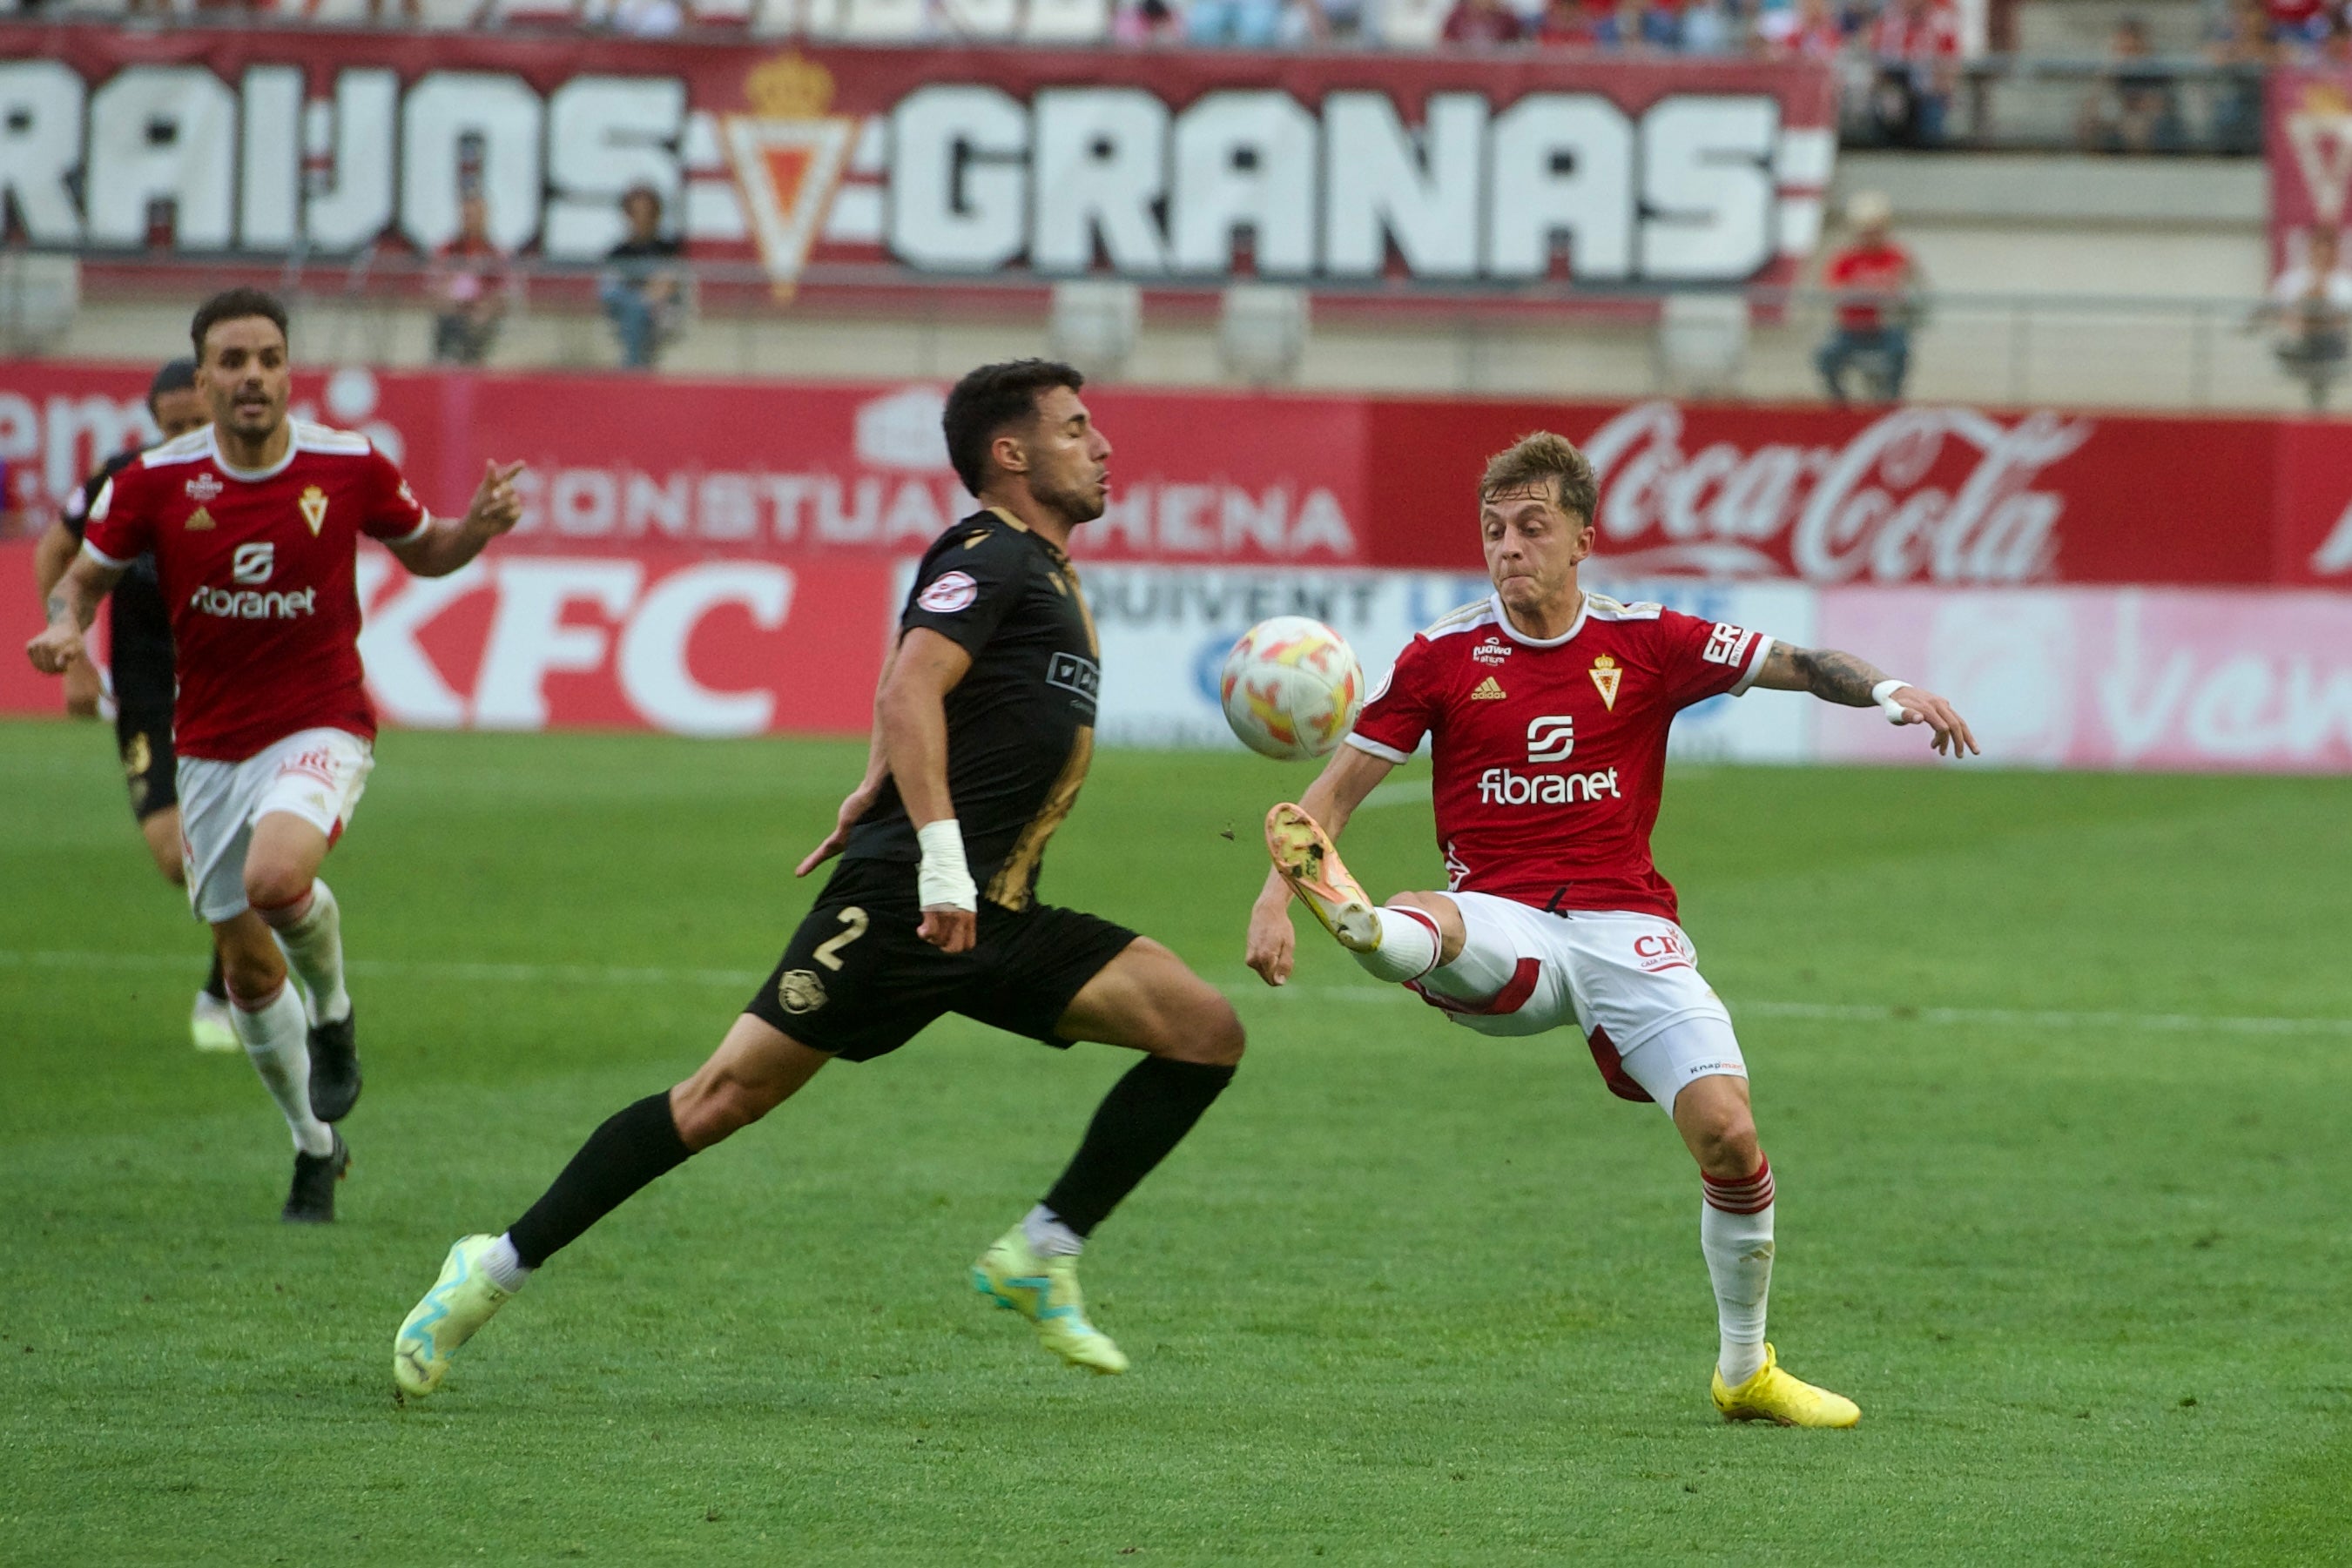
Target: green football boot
{"type": "Point", "coordinates": [460, 1301]}
{"type": "Point", "coordinates": [1045, 1291]}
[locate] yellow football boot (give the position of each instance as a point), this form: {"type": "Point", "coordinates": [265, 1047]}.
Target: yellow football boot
{"type": "Point", "coordinates": [1303, 854]}
{"type": "Point", "coordinates": [1774, 1395]}
{"type": "Point", "coordinates": [460, 1301]}
{"type": "Point", "coordinates": [1045, 1291]}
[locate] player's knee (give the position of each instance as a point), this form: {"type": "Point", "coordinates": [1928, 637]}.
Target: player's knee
{"type": "Point", "coordinates": [252, 975]}
{"type": "Point", "coordinates": [1723, 1138]}
{"type": "Point", "coordinates": [275, 892]}
{"type": "Point", "coordinates": [173, 872]}
{"type": "Point", "coordinates": [1201, 1028]}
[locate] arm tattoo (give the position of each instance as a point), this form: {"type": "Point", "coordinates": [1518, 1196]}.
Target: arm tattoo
{"type": "Point", "coordinates": [60, 606]}
{"type": "Point", "coordinates": [1836, 677]}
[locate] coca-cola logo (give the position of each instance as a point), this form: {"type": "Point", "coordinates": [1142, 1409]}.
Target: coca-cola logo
{"type": "Point", "coordinates": [1944, 493]}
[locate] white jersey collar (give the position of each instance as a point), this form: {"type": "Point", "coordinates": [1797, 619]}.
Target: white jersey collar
{"type": "Point", "coordinates": [1502, 619]}
{"type": "Point", "coordinates": [250, 475]}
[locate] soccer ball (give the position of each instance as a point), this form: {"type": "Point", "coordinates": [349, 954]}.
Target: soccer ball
{"type": "Point", "coordinates": [1292, 688]}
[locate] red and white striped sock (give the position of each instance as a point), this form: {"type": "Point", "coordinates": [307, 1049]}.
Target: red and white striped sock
{"type": "Point", "coordinates": [1735, 1232]}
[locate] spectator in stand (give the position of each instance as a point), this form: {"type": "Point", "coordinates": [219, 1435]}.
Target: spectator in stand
{"type": "Point", "coordinates": [1915, 48]}
{"type": "Point", "coordinates": [1807, 29]}
{"type": "Point", "coordinates": [644, 284]}
{"type": "Point", "coordinates": [1639, 27]}
{"type": "Point", "coordinates": [1566, 25]}
{"type": "Point", "coordinates": [470, 284]}
{"type": "Point", "coordinates": [2135, 107]}
{"type": "Point", "coordinates": [2311, 306]}
{"type": "Point", "coordinates": [1144, 23]}
{"type": "Point", "coordinates": [648, 18]}
{"type": "Point", "coordinates": [1247, 24]}
{"type": "Point", "coordinates": [1876, 282]}
{"type": "Point", "coordinates": [1482, 22]}
{"type": "Point", "coordinates": [2240, 43]}
{"type": "Point", "coordinates": [2298, 26]}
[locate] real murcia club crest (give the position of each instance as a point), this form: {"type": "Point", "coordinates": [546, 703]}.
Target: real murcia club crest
{"type": "Point", "coordinates": [1605, 676]}
{"type": "Point", "coordinates": [788, 155]}
{"type": "Point", "coordinates": [2319, 130]}
{"type": "Point", "coordinates": [314, 508]}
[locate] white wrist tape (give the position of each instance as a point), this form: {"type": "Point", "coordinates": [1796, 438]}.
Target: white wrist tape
{"type": "Point", "coordinates": [1882, 694]}
{"type": "Point", "coordinates": [943, 880]}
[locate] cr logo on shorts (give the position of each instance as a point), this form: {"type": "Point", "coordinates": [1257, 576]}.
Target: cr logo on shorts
{"type": "Point", "coordinates": [948, 592]}
{"type": "Point", "coordinates": [1657, 951]}
{"type": "Point", "coordinates": [800, 991]}
{"type": "Point", "coordinates": [1551, 738]}
{"type": "Point", "coordinates": [253, 563]}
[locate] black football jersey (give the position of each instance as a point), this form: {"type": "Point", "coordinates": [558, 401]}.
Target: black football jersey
{"type": "Point", "coordinates": [1021, 724]}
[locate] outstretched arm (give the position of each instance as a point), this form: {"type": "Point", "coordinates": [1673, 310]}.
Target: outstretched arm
{"type": "Point", "coordinates": [1852, 682]}
{"type": "Point", "coordinates": [447, 545]}
{"type": "Point", "coordinates": [72, 604]}
{"type": "Point", "coordinates": [860, 800]}
{"type": "Point", "coordinates": [1331, 799]}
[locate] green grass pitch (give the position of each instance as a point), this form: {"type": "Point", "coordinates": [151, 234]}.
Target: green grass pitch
{"type": "Point", "coordinates": [1408, 1295]}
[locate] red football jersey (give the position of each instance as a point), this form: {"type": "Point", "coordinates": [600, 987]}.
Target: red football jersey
{"type": "Point", "coordinates": [1550, 755]}
{"type": "Point", "coordinates": [256, 570]}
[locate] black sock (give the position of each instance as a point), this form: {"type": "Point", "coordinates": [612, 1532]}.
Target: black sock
{"type": "Point", "coordinates": [635, 1145]}
{"type": "Point", "coordinates": [1145, 1116]}
{"type": "Point", "coordinates": [215, 986]}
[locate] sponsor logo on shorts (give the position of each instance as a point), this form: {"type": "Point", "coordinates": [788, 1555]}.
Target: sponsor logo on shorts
{"type": "Point", "coordinates": [800, 991]}
{"type": "Point", "coordinates": [317, 763]}
{"type": "Point", "coordinates": [1501, 787]}
{"type": "Point", "coordinates": [1073, 673]}
{"type": "Point", "coordinates": [251, 606]}
{"type": "Point", "coordinates": [948, 592]}
{"type": "Point", "coordinates": [1658, 951]}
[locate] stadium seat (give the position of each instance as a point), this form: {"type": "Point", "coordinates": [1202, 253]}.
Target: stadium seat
{"type": "Point", "coordinates": [1095, 323]}
{"type": "Point", "coordinates": [1262, 332]}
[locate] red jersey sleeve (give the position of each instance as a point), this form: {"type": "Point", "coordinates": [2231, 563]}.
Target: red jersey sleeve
{"type": "Point", "coordinates": [393, 513]}
{"type": "Point", "coordinates": [1700, 659]}
{"type": "Point", "coordinates": [1402, 707]}
{"type": "Point", "coordinates": [120, 526]}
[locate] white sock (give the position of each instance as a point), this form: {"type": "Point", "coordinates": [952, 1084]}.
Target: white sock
{"type": "Point", "coordinates": [276, 1040]}
{"type": "Point", "coordinates": [1408, 948]}
{"type": "Point", "coordinates": [504, 1265]}
{"type": "Point", "coordinates": [1048, 1237]}
{"type": "Point", "coordinates": [1735, 1232]}
{"type": "Point", "coordinates": [314, 949]}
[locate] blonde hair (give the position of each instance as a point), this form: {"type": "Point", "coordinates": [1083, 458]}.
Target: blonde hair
{"type": "Point", "coordinates": [1552, 461]}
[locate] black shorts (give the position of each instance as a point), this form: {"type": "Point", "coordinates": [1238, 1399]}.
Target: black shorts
{"type": "Point", "coordinates": [144, 738]}
{"type": "Point", "coordinates": [856, 982]}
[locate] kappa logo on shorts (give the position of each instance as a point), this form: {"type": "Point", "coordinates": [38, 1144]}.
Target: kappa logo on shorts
{"type": "Point", "coordinates": [800, 991]}
{"type": "Point", "coordinates": [1658, 951]}
{"type": "Point", "coordinates": [948, 592]}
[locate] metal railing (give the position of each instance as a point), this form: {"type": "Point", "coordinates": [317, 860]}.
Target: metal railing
{"type": "Point", "coordinates": [2151, 107]}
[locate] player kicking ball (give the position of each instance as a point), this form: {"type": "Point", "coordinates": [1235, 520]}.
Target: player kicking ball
{"type": "Point", "coordinates": [983, 728]}
{"type": "Point", "coordinates": [253, 523]}
{"type": "Point", "coordinates": [1547, 708]}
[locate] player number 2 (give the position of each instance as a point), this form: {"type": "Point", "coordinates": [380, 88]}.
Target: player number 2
{"type": "Point", "coordinates": [853, 920]}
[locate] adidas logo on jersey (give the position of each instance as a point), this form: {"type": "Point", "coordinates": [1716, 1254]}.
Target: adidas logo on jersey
{"type": "Point", "coordinates": [199, 520]}
{"type": "Point", "coordinates": [1489, 690]}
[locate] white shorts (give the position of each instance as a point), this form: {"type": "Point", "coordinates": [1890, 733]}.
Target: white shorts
{"type": "Point", "coordinates": [1631, 982]}
{"type": "Point", "coordinates": [317, 775]}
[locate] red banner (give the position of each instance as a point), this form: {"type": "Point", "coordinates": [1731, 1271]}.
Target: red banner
{"type": "Point", "coordinates": [1180, 167]}
{"type": "Point", "coordinates": [852, 470]}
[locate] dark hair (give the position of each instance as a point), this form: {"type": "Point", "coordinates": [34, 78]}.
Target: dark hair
{"type": "Point", "coordinates": [989, 399]}
{"type": "Point", "coordinates": [234, 305]}
{"type": "Point", "coordinates": [175, 375]}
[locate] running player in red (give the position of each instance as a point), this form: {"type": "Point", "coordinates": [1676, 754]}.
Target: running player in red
{"type": "Point", "coordinates": [1547, 708]}
{"type": "Point", "coordinates": [253, 523]}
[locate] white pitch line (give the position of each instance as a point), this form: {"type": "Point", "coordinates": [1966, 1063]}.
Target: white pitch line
{"type": "Point", "coordinates": [1367, 992]}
